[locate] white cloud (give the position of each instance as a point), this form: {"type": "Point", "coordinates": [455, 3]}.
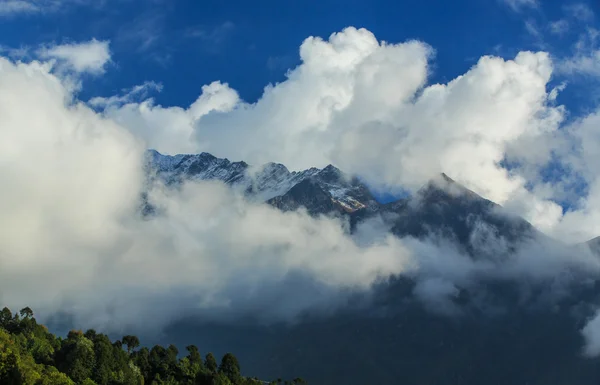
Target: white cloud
{"type": "Point", "coordinates": [71, 237]}
{"type": "Point", "coordinates": [580, 11]}
{"type": "Point", "coordinates": [15, 53]}
{"type": "Point", "coordinates": [364, 106]}
{"type": "Point", "coordinates": [130, 95]}
{"type": "Point", "coordinates": [591, 333]}
{"type": "Point", "coordinates": [532, 29]}
{"type": "Point", "coordinates": [559, 27]}
{"type": "Point", "coordinates": [170, 130]}
{"type": "Point", "coordinates": [89, 57]}
{"type": "Point", "coordinates": [11, 7]}
{"type": "Point", "coordinates": [585, 59]}
{"type": "Point", "coordinates": [582, 63]}
{"type": "Point", "coordinates": [214, 35]}
{"type": "Point", "coordinates": [518, 5]}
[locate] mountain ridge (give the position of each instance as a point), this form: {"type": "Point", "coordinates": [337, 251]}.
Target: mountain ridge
{"type": "Point", "coordinates": [264, 183]}
{"type": "Point", "coordinates": [441, 207]}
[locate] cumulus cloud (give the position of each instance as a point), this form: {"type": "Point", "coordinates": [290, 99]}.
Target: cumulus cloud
{"type": "Point", "coordinates": [365, 106]}
{"type": "Point", "coordinates": [168, 129]}
{"type": "Point", "coordinates": [73, 239]}
{"type": "Point", "coordinates": [90, 57]}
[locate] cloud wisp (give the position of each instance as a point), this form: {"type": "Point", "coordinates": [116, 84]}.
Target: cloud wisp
{"type": "Point", "coordinates": [89, 57]}
{"type": "Point", "coordinates": [14, 8]}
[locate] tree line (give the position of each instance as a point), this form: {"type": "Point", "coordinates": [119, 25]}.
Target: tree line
{"type": "Point", "coordinates": [31, 355]}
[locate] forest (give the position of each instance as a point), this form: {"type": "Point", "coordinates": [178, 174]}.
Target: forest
{"type": "Point", "coordinates": [31, 355]}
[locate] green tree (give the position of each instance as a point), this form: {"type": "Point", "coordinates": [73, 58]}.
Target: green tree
{"type": "Point", "coordinates": [9, 366]}
{"type": "Point", "coordinates": [30, 355]}
{"type": "Point", "coordinates": [194, 355]}
{"type": "Point", "coordinates": [191, 365]}
{"type": "Point", "coordinates": [41, 349]}
{"type": "Point", "coordinates": [160, 361]}
{"type": "Point", "coordinates": [132, 342]}
{"type": "Point", "coordinates": [76, 357]}
{"type": "Point", "coordinates": [26, 313]}
{"type": "Point", "coordinates": [230, 367]}
{"type": "Point", "coordinates": [210, 363]}
{"type": "Point", "coordinates": [221, 379]}
{"type": "Point", "coordinates": [5, 318]}
{"type": "Point", "coordinates": [105, 359]}
{"type": "Point", "coordinates": [51, 376]}
{"type": "Point", "coordinates": [90, 334]}
{"type": "Point", "coordinates": [141, 358]}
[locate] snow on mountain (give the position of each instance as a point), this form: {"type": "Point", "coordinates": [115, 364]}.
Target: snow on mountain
{"type": "Point", "coordinates": [442, 208]}
{"type": "Point", "coordinates": [264, 183]}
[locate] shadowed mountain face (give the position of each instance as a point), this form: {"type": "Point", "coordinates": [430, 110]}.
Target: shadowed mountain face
{"type": "Point", "coordinates": [446, 210]}
{"type": "Point", "coordinates": [501, 331]}
{"type": "Point", "coordinates": [410, 346]}
{"type": "Point", "coordinates": [594, 245]}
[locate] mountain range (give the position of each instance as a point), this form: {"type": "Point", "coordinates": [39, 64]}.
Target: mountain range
{"type": "Point", "coordinates": [320, 191]}
{"type": "Point", "coordinates": [508, 332]}
{"type": "Point", "coordinates": [442, 207]}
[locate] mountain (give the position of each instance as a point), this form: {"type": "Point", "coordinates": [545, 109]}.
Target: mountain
{"type": "Point", "coordinates": [594, 245]}
{"type": "Point", "coordinates": [507, 330]}
{"type": "Point", "coordinates": [445, 209]}
{"type": "Point", "coordinates": [320, 191]}
{"type": "Point", "coordinates": [442, 209]}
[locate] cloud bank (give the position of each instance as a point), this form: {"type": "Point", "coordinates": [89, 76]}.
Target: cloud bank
{"type": "Point", "coordinates": [365, 106]}
{"type": "Point", "coordinates": [72, 237]}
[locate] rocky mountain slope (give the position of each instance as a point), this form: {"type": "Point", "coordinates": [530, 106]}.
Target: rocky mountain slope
{"type": "Point", "coordinates": [319, 190]}
{"type": "Point", "coordinates": [441, 209]}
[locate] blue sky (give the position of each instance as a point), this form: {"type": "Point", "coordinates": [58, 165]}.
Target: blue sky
{"type": "Point", "coordinates": [249, 45]}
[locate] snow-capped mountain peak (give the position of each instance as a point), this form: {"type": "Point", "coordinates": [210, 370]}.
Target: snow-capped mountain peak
{"type": "Point", "coordinates": [264, 183]}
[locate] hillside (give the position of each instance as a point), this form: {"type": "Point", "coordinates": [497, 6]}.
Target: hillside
{"type": "Point", "coordinates": [31, 355]}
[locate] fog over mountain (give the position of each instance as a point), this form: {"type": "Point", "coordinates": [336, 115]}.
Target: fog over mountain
{"type": "Point", "coordinates": [103, 224]}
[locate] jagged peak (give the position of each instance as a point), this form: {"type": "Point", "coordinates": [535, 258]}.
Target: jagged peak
{"type": "Point", "coordinates": [442, 182]}
{"type": "Point", "coordinates": [447, 178]}
{"type": "Point", "coordinates": [594, 241]}
{"type": "Point", "coordinates": [330, 173]}
{"type": "Point", "coordinates": [272, 166]}
{"type": "Point", "coordinates": [331, 168]}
